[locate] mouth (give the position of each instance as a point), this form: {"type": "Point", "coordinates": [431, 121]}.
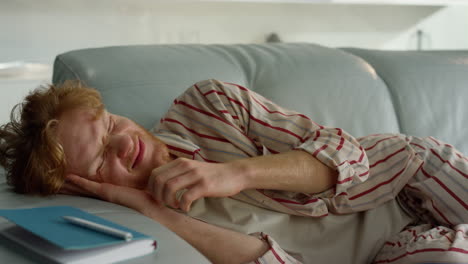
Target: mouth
{"type": "Point", "coordinates": [139, 153]}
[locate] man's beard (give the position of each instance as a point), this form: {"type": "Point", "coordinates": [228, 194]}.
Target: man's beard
{"type": "Point", "coordinates": [158, 147]}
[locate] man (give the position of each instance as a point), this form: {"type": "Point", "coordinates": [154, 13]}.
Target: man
{"type": "Point", "coordinates": [223, 140]}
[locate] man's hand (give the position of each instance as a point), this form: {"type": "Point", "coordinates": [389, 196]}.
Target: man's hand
{"type": "Point", "coordinates": [196, 180]}
{"type": "Point", "coordinates": [126, 196]}
{"type": "Point", "coordinates": [72, 189]}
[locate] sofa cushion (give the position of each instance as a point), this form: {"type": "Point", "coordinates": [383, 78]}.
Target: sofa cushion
{"type": "Point", "coordinates": [429, 90]}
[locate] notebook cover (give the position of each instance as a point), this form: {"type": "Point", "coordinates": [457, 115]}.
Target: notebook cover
{"type": "Point", "coordinates": [48, 223]}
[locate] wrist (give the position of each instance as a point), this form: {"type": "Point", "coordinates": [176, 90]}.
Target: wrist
{"type": "Point", "coordinates": [168, 217]}
{"type": "Point", "coordinates": [244, 173]}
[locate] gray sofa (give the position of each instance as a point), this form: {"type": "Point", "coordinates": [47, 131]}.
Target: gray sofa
{"type": "Point", "coordinates": [361, 91]}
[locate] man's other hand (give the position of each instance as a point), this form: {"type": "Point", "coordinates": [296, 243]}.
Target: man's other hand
{"type": "Point", "coordinates": [193, 180]}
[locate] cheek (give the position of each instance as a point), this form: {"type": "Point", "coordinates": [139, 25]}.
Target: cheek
{"type": "Point", "coordinates": [113, 173]}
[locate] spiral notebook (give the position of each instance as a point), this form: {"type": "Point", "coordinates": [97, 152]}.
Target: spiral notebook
{"type": "Point", "coordinates": [48, 236]}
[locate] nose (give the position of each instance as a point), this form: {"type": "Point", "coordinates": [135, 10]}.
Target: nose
{"type": "Point", "coordinates": [122, 145]}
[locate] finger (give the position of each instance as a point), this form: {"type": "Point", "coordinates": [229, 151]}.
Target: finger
{"type": "Point", "coordinates": [157, 173]}
{"type": "Point", "coordinates": [166, 172]}
{"type": "Point", "coordinates": [174, 186]}
{"type": "Point", "coordinates": [163, 175]}
{"type": "Point", "coordinates": [192, 194]}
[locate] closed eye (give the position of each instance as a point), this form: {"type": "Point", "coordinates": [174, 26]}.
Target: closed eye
{"type": "Point", "coordinates": [110, 127]}
{"type": "Point", "coordinates": [99, 170]}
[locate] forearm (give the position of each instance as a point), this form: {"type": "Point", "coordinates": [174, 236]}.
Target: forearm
{"type": "Point", "coordinates": [295, 171]}
{"type": "Point", "coordinates": [219, 245]}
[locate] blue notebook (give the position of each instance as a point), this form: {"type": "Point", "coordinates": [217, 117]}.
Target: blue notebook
{"type": "Point", "coordinates": [47, 233]}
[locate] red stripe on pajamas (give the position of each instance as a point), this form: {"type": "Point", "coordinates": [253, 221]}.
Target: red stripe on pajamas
{"type": "Point", "coordinates": [445, 188]}
{"type": "Point", "coordinates": [195, 132]}
{"type": "Point", "coordinates": [180, 150]}
{"type": "Point", "coordinates": [299, 212]}
{"type": "Point", "coordinates": [258, 120]}
{"type": "Point", "coordinates": [178, 102]}
{"type": "Point", "coordinates": [376, 143]}
{"type": "Point", "coordinates": [386, 158]}
{"type": "Point", "coordinates": [378, 185]}
{"type": "Point", "coordinates": [277, 128]}
{"type": "Point", "coordinates": [440, 213]}
{"type": "Point", "coordinates": [272, 150]}
{"type": "Point", "coordinates": [422, 251]}
{"type": "Point", "coordinates": [227, 112]}
{"type": "Point", "coordinates": [461, 157]}
{"type": "Point", "coordinates": [364, 174]}
{"type": "Point", "coordinates": [350, 178]}
{"type": "Point", "coordinates": [268, 110]}
{"type": "Point", "coordinates": [448, 162]}
{"type": "Point", "coordinates": [318, 150]}
{"type": "Point", "coordinates": [197, 152]}
{"type": "Point", "coordinates": [207, 93]}
{"type": "Point", "coordinates": [281, 200]}
{"type": "Point", "coordinates": [356, 161]}
{"type": "Point", "coordinates": [276, 254]}
{"type": "Point", "coordinates": [417, 145]}
{"type": "Point", "coordinates": [230, 99]}
{"type": "Point", "coordinates": [238, 86]}
{"type": "Point", "coordinates": [437, 142]}
{"type": "Point", "coordinates": [216, 117]}
{"type": "Point", "coordinates": [340, 132]}
{"type": "Point", "coordinates": [345, 180]}
{"type": "Point", "coordinates": [317, 135]}
{"type": "Point", "coordinates": [282, 113]}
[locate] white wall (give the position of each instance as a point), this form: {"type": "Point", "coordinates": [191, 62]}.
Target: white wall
{"type": "Point", "coordinates": [445, 29]}
{"type": "Point", "coordinates": [36, 31]}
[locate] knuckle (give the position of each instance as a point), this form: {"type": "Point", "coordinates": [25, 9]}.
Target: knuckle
{"type": "Point", "coordinates": [205, 183]}
{"type": "Point", "coordinates": [196, 171]}
{"type": "Point", "coordinates": [185, 163]}
{"type": "Point", "coordinates": [171, 185]}
{"type": "Point", "coordinates": [158, 180]}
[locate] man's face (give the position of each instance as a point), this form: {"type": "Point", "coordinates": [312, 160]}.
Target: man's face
{"type": "Point", "coordinates": [109, 148]}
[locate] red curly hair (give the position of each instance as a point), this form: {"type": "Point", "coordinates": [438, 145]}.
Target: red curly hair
{"type": "Point", "coordinates": [29, 149]}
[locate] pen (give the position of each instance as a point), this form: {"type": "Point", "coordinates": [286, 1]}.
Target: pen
{"type": "Point", "coordinates": [100, 228]}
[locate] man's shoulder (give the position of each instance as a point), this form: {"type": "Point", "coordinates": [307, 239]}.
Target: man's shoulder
{"type": "Point", "coordinates": [206, 87]}
{"type": "Point", "coordinates": [214, 85]}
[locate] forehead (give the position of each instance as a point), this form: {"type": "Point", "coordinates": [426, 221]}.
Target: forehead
{"type": "Point", "coordinates": [80, 132]}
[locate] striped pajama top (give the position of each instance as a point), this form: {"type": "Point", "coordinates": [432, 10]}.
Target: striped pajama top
{"type": "Point", "coordinates": [219, 122]}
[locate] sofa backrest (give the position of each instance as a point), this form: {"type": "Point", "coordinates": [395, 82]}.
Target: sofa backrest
{"type": "Point", "coordinates": [361, 91]}
{"type": "Point", "coordinates": [429, 91]}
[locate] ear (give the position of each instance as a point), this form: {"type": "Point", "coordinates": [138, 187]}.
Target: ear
{"type": "Point", "coordinates": [70, 188]}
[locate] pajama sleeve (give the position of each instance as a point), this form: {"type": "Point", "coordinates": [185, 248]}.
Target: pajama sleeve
{"type": "Point", "coordinates": [259, 127]}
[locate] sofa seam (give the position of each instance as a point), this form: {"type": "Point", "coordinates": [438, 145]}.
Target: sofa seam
{"type": "Point", "coordinates": [387, 87]}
